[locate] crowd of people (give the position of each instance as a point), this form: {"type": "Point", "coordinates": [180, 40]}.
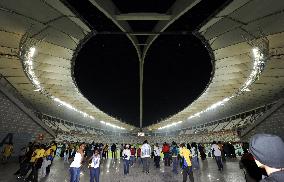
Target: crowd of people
{"type": "Point", "coordinates": [36, 159]}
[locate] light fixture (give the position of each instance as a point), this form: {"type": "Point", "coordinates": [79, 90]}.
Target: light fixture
{"type": "Point", "coordinates": [169, 125]}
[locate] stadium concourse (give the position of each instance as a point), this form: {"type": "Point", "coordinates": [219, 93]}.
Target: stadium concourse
{"type": "Point", "coordinates": [123, 90]}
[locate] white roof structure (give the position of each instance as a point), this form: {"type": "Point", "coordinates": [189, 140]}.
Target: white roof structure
{"type": "Point", "coordinates": [228, 34]}
{"type": "Point", "coordinates": [39, 40]}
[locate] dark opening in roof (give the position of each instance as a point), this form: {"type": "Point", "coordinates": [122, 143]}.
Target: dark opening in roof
{"type": "Point", "coordinates": [107, 74]}
{"type": "Point", "coordinates": [142, 39]}
{"type": "Point", "coordinates": [176, 71]}
{"type": "Point", "coordinates": [177, 66]}
{"type": "Point", "coordinates": [142, 26]}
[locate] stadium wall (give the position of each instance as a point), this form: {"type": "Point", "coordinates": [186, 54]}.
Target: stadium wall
{"type": "Point", "coordinates": [273, 123]}
{"type": "Point", "coordinates": [19, 125]}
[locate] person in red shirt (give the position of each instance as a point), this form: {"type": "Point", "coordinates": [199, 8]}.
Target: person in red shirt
{"type": "Point", "coordinates": [132, 156]}
{"type": "Point", "coordinates": [166, 151]}
{"type": "Point", "coordinates": [139, 155]}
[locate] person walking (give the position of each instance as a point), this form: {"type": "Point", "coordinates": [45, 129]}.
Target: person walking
{"type": "Point", "coordinates": [194, 153]}
{"type": "Point", "coordinates": [105, 151]}
{"type": "Point", "coordinates": [166, 152]}
{"type": "Point", "coordinates": [268, 151]}
{"type": "Point", "coordinates": [132, 156]}
{"type": "Point", "coordinates": [145, 155]}
{"type": "Point", "coordinates": [95, 166]}
{"type": "Point", "coordinates": [186, 163]}
{"type": "Point", "coordinates": [217, 153]}
{"type": "Point", "coordinates": [175, 152]}
{"type": "Point", "coordinates": [201, 151]}
{"type": "Point", "coordinates": [157, 155]}
{"type": "Point", "coordinates": [36, 162]}
{"type": "Point", "coordinates": [113, 151]}
{"type": "Point", "coordinates": [139, 155]}
{"type": "Point", "coordinates": [126, 157]}
{"type": "Point", "coordinates": [221, 146]}
{"type": "Point", "coordinates": [66, 156]}
{"type": "Point", "coordinates": [76, 164]}
{"type": "Point", "coordinates": [46, 163]}
{"type": "Point", "coordinates": [121, 149]}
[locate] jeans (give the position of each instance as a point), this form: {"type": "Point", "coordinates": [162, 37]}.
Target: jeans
{"type": "Point", "coordinates": [157, 161]}
{"type": "Point", "coordinates": [126, 166]}
{"type": "Point", "coordinates": [139, 159]}
{"type": "Point", "coordinates": [219, 162]}
{"type": "Point", "coordinates": [146, 165]}
{"type": "Point", "coordinates": [66, 158]}
{"type": "Point", "coordinates": [187, 171]}
{"type": "Point", "coordinates": [74, 174]}
{"type": "Point", "coordinates": [132, 158]}
{"type": "Point", "coordinates": [167, 159]}
{"type": "Point", "coordinates": [175, 165]}
{"type": "Point", "coordinates": [94, 174]}
{"type": "Point", "coordinates": [195, 162]}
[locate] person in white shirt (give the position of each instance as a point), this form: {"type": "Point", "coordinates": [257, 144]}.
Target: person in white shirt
{"type": "Point", "coordinates": [194, 153]}
{"type": "Point", "coordinates": [157, 155]}
{"type": "Point", "coordinates": [76, 164]}
{"type": "Point", "coordinates": [145, 155]}
{"type": "Point", "coordinates": [126, 157]}
{"type": "Point", "coordinates": [217, 153]}
{"type": "Point", "coordinates": [95, 167]}
{"type": "Point", "coordinates": [66, 156]}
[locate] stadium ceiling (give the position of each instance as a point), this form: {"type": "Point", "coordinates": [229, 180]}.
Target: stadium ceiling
{"type": "Point", "coordinates": [39, 39]}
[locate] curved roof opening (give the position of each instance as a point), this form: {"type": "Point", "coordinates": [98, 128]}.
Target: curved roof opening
{"type": "Point", "coordinates": [177, 69]}
{"type": "Point", "coordinates": [107, 73]}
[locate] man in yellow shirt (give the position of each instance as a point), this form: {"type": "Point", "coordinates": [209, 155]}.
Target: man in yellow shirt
{"type": "Point", "coordinates": [53, 147]}
{"type": "Point", "coordinates": [186, 165]}
{"type": "Point", "coordinates": [36, 162]}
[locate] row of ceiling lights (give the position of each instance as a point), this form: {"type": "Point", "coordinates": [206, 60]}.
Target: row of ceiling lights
{"type": "Point", "coordinates": [258, 66]}
{"type": "Point", "coordinates": [260, 59]}
{"type": "Point", "coordinates": [28, 56]}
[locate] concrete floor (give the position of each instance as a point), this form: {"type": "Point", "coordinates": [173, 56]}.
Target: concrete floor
{"type": "Point", "coordinates": [112, 171]}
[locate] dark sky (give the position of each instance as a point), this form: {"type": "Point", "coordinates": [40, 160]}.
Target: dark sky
{"type": "Point", "coordinates": [177, 67]}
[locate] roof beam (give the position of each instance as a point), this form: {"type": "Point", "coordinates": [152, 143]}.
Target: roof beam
{"type": "Point", "coordinates": [177, 10]}
{"type": "Point", "coordinates": [142, 16]}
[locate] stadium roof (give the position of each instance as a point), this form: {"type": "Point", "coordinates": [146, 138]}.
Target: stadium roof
{"type": "Point", "coordinates": [40, 41]}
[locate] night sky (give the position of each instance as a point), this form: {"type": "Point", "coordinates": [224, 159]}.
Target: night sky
{"type": "Point", "coordinates": [177, 67]}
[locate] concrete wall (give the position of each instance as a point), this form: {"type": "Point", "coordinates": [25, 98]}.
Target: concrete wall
{"type": "Point", "coordinates": [273, 124]}
{"type": "Point", "coordinates": [17, 126]}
